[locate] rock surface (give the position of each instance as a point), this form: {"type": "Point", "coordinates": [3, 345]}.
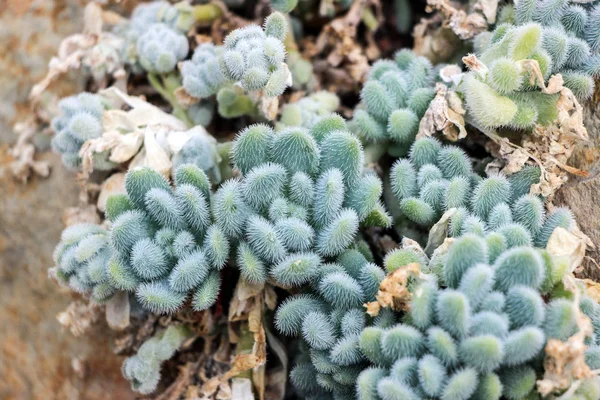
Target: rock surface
{"type": "Point", "coordinates": [38, 358]}
{"type": "Point", "coordinates": [582, 195]}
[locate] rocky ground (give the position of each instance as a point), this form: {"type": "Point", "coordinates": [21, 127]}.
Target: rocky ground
{"type": "Point", "coordinates": [37, 358]}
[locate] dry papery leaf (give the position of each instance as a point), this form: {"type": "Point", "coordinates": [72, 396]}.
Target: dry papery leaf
{"type": "Point", "coordinates": [246, 309]}
{"type": "Point", "coordinates": [569, 246]}
{"type": "Point", "coordinates": [393, 291]}
{"type": "Point", "coordinates": [564, 364]}
{"type": "Point", "coordinates": [83, 214]}
{"type": "Point", "coordinates": [125, 132]}
{"type": "Point", "coordinates": [465, 26]}
{"type": "Point", "coordinates": [338, 40]}
{"type": "Point", "coordinates": [94, 49]}
{"type": "Point", "coordinates": [445, 114]}
{"type": "Point", "coordinates": [117, 311]}
{"type": "Point", "coordinates": [24, 152]}
{"type": "Point", "coordinates": [439, 232]}
{"type": "Point", "coordinates": [79, 316]}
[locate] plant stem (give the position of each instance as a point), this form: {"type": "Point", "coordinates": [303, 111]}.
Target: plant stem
{"type": "Point", "coordinates": [369, 19]}
{"type": "Point", "coordinates": [166, 85]}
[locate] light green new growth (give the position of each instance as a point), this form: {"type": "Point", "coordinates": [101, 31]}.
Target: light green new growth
{"type": "Point", "coordinates": [143, 369]}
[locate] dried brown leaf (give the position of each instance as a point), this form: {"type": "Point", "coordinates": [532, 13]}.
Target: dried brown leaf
{"type": "Point", "coordinates": [24, 152]}
{"type": "Point", "coordinates": [94, 49]}
{"type": "Point", "coordinates": [465, 26]}
{"type": "Point", "coordinates": [393, 290]}
{"type": "Point", "coordinates": [79, 316]}
{"type": "Point", "coordinates": [564, 364]}
{"type": "Point", "coordinates": [444, 114]}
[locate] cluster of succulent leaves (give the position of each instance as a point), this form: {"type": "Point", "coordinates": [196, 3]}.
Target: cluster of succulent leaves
{"type": "Point", "coordinates": [393, 100]}
{"type": "Point", "coordinates": [80, 119]}
{"type": "Point", "coordinates": [251, 59]}
{"type": "Point", "coordinates": [308, 110]}
{"type": "Point", "coordinates": [143, 369]}
{"type": "Point", "coordinates": [474, 329]}
{"type": "Point", "coordinates": [81, 261]}
{"type": "Point", "coordinates": [329, 316]}
{"type": "Point", "coordinates": [299, 202]}
{"type": "Point", "coordinates": [165, 244]}
{"type": "Point", "coordinates": [435, 178]}
{"type": "Point", "coordinates": [563, 37]}
{"type": "Point", "coordinates": [155, 37]}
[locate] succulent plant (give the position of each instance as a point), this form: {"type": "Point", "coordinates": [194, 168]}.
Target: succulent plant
{"type": "Point", "coordinates": [394, 99]}
{"type": "Point", "coordinates": [81, 261]}
{"type": "Point", "coordinates": [480, 334]}
{"type": "Point", "coordinates": [80, 120]}
{"type": "Point", "coordinates": [160, 48]}
{"type": "Point", "coordinates": [435, 178]}
{"type": "Point", "coordinates": [301, 198]}
{"type": "Point", "coordinates": [164, 242]}
{"type": "Point", "coordinates": [202, 76]}
{"type": "Point", "coordinates": [559, 36]}
{"type": "Point", "coordinates": [255, 57]}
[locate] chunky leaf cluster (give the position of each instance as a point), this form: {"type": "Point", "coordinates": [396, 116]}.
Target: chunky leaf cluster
{"type": "Point", "coordinates": [165, 246]}
{"type": "Point", "coordinates": [160, 48]}
{"type": "Point", "coordinates": [202, 75]}
{"type": "Point", "coordinates": [81, 261]}
{"type": "Point", "coordinates": [504, 91]}
{"type": "Point", "coordinates": [573, 18]}
{"type": "Point", "coordinates": [329, 318]}
{"type": "Point", "coordinates": [143, 369]}
{"type": "Point", "coordinates": [255, 57]}
{"type": "Point", "coordinates": [301, 198]}
{"type": "Point", "coordinates": [201, 150]}
{"type": "Point", "coordinates": [395, 97]}
{"type": "Point", "coordinates": [309, 110]}
{"type": "Point", "coordinates": [80, 120]}
{"type": "Point", "coordinates": [146, 14]}
{"type": "Point", "coordinates": [436, 178]}
{"type": "Point", "coordinates": [158, 22]}
{"type": "Point", "coordinates": [480, 337]}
